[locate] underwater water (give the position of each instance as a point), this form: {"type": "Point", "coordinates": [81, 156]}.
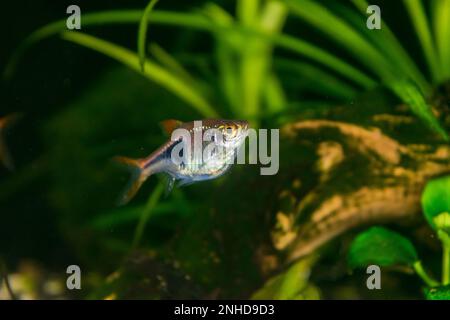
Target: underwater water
{"type": "Point", "coordinates": [344, 189]}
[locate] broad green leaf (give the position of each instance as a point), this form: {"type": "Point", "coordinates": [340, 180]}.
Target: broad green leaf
{"type": "Point", "coordinates": [438, 293]}
{"type": "Point", "coordinates": [436, 199]}
{"type": "Point", "coordinates": [152, 71]}
{"type": "Point", "coordinates": [142, 33]}
{"type": "Point", "coordinates": [382, 247]}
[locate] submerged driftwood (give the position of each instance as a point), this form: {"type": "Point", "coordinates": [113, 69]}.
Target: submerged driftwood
{"type": "Point", "coordinates": [390, 189]}
{"type": "Point", "coordinates": [364, 176]}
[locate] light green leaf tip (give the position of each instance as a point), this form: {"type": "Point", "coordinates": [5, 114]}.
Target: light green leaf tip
{"type": "Point", "coordinates": [436, 200]}
{"type": "Point", "coordinates": [142, 33]}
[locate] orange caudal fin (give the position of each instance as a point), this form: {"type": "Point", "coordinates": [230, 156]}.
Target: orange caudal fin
{"type": "Point", "coordinates": [136, 180]}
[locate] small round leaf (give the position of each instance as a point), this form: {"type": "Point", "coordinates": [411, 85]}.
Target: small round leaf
{"type": "Point", "coordinates": [382, 247]}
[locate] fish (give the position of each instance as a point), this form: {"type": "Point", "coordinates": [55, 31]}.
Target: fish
{"type": "Point", "coordinates": [224, 138]}
{"type": "Point", "coordinates": [5, 123]}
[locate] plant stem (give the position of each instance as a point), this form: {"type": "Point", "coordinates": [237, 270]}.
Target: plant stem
{"type": "Point", "coordinates": [4, 276]}
{"type": "Point", "coordinates": [445, 239]}
{"type": "Point", "coordinates": [151, 203]}
{"type": "Point", "coordinates": [422, 274]}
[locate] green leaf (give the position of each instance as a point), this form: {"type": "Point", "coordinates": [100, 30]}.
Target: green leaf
{"type": "Point", "coordinates": [382, 247]}
{"type": "Point", "coordinates": [441, 24]}
{"type": "Point", "coordinates": [323, 57]}
{"type": "Point", "coordinates": [420, 22]}
{"type": "Point", "coordinates": [152, 71]}
{"type": "Point", "coordinates": [392, 74]}
{"type": "Point", "coordinates": [317, 79]}
{"type": "Point", "coordinates": [185, 20]}
{"type": "Point", "coordinates": [142, 33]}
{"type": "Point", "coordinates": [340, 31]}
{"type": "Point", "coordinates": [438, 293]}
{"type": "Point", "coordinates": [147, 212]}
{"type": "Point", "coordinates": [436, 199]}
{"type": "Point", "coordinates": [388, 44]}
{"type": "Point", "coordinates": [411, 95]}
{"type": "Point", "coordinates": [292, 284]}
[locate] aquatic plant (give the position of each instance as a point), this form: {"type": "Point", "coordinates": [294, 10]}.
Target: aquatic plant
{"type": "Point", "coordinates": [387, 248]}
{"type": "Point", "coordinates": [370, 150]}
{"type": "Point", "coordinates": [244, 53]}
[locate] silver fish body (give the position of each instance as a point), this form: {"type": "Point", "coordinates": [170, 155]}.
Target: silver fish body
{"type": "Point", "coordinates": [205, 161]}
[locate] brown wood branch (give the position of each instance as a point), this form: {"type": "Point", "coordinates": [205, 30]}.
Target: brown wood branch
{"type": "Point", "coordinates": [389, 191]}
{"type": "Point", "coordinates": [366, 139]}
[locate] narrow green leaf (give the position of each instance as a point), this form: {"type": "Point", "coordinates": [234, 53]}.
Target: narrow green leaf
{"type": "Point", "coordinates": [411, 95]}
{"type": "Point", "coordinates": [436, 199]}
{"type": "Point", "coordinates": [321, 56]}
{"type": "Point", "coordinates": [341, 32]}
{"type": "Point", "coordinates": [198, 22]}
{"type": "Point", "coordinates": [248, 11]}
{"type": "Point", "coordinates": [225, 55]}
{"type": "Point", "coordinates": [152, 71]}
{"type": "Point", "coordinates": [382, 247]}
{"type": "Point", "coordinates": [146, 213]}
{"type": "Point", "coordinates": [274, 95]}
{"type": "Point", "coordinates": [186, 20]}
{"type": "Point", "coordinates": [441, 25]}
{"type": "Point", "coordinates": [317, 80]}
{"type": "Point", "coordinates": [420, 22]}
{"type": "Point", "coordinates": [387, 43]}
{"type": "Point", "coordinates": [390, 74]}
{"type": "Point", "coordinates": [256, 57]}
{"type": "Point", "coordinates": [168, 61]}
{"type": "Point", "coordinates": [142, 33]}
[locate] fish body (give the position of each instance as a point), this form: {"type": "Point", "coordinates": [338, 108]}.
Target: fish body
{"type": "Point", "coordinates": [225, 136]}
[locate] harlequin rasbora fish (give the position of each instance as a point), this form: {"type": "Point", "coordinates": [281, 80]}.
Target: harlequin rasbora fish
{"type": "Point", "coordinates": [227, 135]}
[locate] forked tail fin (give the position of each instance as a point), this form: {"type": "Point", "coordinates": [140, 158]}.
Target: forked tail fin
{"type": "Point", "coordinates": [137, 178]}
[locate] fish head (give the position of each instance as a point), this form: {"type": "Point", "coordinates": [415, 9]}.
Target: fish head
{"type": "Point", "coordinates": [233, 132]}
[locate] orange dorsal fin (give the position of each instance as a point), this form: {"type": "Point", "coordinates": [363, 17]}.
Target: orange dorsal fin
{"type": "Point", "coordinates": [170, 125]}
